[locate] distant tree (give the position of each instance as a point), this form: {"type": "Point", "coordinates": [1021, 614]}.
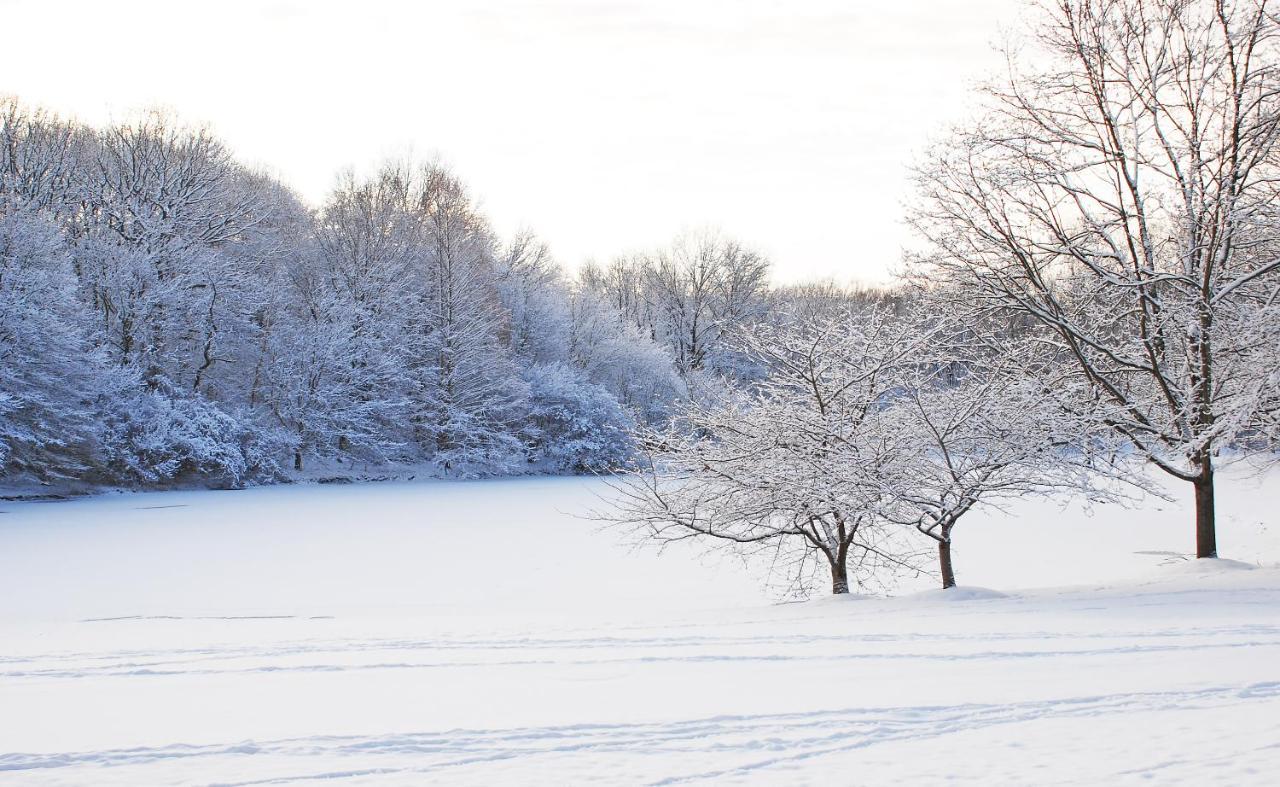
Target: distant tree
{"type": "Point", "coordinates": [40, 166]}
{"type": "Point", "coordinates": [573, 424]}
{"type": "Point", "coordinates": [167, 436]}
{"type": "Point", "coordinates": [146, 243]}
{"type": "Point", "coordinates": [688, 295]}
{"type": "Point", "coordinates": [533, 291]}
{"type": "Point", "coordinates": [164, 246]}
{"type": "Point", "coordinates": [479, 392]}
{"type": "Point", "coordinates": [54, 384]}
{"type": "Point", "coordinates": [815, 298]}
{"type": "Point", "coordinates": [613, 353]}
{"type": "Point", "coordinates": [329, 372]}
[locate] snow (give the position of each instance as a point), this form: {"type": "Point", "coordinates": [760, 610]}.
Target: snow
{"type": "Point", "coordinates": [958, 593]}
{"type": "Point", "coordinates": [1210, 566]}
{"type": "Point", "coordinates": [484, 632]}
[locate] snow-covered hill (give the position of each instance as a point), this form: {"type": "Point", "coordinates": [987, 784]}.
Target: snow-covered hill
{"type": "Point", "coordinates": [481, 633]}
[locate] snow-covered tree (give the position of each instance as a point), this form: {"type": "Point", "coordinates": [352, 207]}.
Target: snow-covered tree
{"type": "Point", "coordinates": [613, 353]}
{"type": "Point", "coordinates": [236, 330]}
{"type": "Point", "coordinates": [1119, 196]}
{"type": "Point", "coordinates": [39, 161]}
{"type": "Point", "coordinates": [573, 424]}
{"type": "Point", "coordinates": [477, 390]}
{"type": "Point", "coordinates": [164, 251]}
{"type": "Point", "coordinates": [535, 295]}
{"type": "Point", "coordinates": [688, 296]}
{"type": "Point", "coordinates": [324, 375]}
{"type": "Point", "coordinates": [803, 468]}
{"type": "Point", "coordinates": [54, 384]}
{"type": "Point", "coordinates": [166, 435]}
{"type": "Point", "coordinates": [980, 432]}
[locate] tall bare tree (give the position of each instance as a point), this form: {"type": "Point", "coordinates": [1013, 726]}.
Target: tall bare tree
{"type": "Point", "coordinates": [1119, 195]}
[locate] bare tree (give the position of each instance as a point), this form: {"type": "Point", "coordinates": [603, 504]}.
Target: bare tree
{"type": "Point", "coordinates": [614, 353]}
{"type": "Point", "coordinates": [980, 433]}
{"type": "Point", "coordinates": [802, 469]}
{"type": "Point", "coordinates": [533, 292]}
{"type": "Point", "coordinates": [1122, 196]}
{"type": "Point", "coordinates": [38, 160]}
{"type": "Point", "coordinates": [688, 295]}
{"type": "Point", "coordinates": [171, 225]}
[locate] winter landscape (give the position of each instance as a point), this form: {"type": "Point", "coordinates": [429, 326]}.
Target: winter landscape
{"type": "Point", "coordinates": [910, 415]}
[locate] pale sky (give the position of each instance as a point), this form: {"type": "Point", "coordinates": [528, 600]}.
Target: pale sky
{"type": "Point", "coordinates": [606, 127]}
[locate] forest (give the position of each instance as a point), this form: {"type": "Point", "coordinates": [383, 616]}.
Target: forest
{"type": "Point", "coordinates": [171, 316]}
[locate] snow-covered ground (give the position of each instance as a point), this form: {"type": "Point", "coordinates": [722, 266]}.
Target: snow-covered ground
{"type": "Point", "coordinates": [480, 633]}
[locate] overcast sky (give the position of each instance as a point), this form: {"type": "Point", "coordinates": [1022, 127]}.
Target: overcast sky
{"type": "Point", "coordinates": [604, 126]}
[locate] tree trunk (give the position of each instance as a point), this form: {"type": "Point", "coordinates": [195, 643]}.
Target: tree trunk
{"type": "Point", "coordinates": [944, 562]}
{"type": "Point", "coordinates": [839, 575]}
{"type": "Point", "coordinates": [297, 460]}
{"type": "Point", "coordinates": [1206, 529]}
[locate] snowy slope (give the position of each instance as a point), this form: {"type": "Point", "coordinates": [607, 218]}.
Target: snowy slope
{"type": "Point", "coordinates": [479, 633]}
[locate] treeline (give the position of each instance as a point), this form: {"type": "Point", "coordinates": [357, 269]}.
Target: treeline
{"type": "Point", "coordinates": [168, 315]}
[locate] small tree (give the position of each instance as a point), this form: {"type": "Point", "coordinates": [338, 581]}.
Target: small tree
{"type": "Point", "coordinates": [982, 432]}
{"type": "Point", "coordinates": [801, 468]}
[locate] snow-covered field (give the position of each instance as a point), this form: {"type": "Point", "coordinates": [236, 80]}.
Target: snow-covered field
{"type": "Point", "coordinates": [480, 633]}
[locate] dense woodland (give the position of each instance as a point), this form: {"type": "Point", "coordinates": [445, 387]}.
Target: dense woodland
{"type": "Point", "coordinates": [1097, 292]}
{"type": "Point", "coordinates": [169, 315]}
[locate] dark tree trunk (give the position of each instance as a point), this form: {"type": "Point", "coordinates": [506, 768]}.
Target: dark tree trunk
{"type": "Point", "coordinates": [839, 575]}
{"type": "Point", "coordinates": [297, 460]}
{"type": "Point", "coordinates": [1206, 529]}
{"type": "Point", "coordinates": [944, 562]}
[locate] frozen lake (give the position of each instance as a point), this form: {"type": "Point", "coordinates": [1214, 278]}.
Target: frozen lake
{"type": "Point", "coordinates": [485, 632]}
